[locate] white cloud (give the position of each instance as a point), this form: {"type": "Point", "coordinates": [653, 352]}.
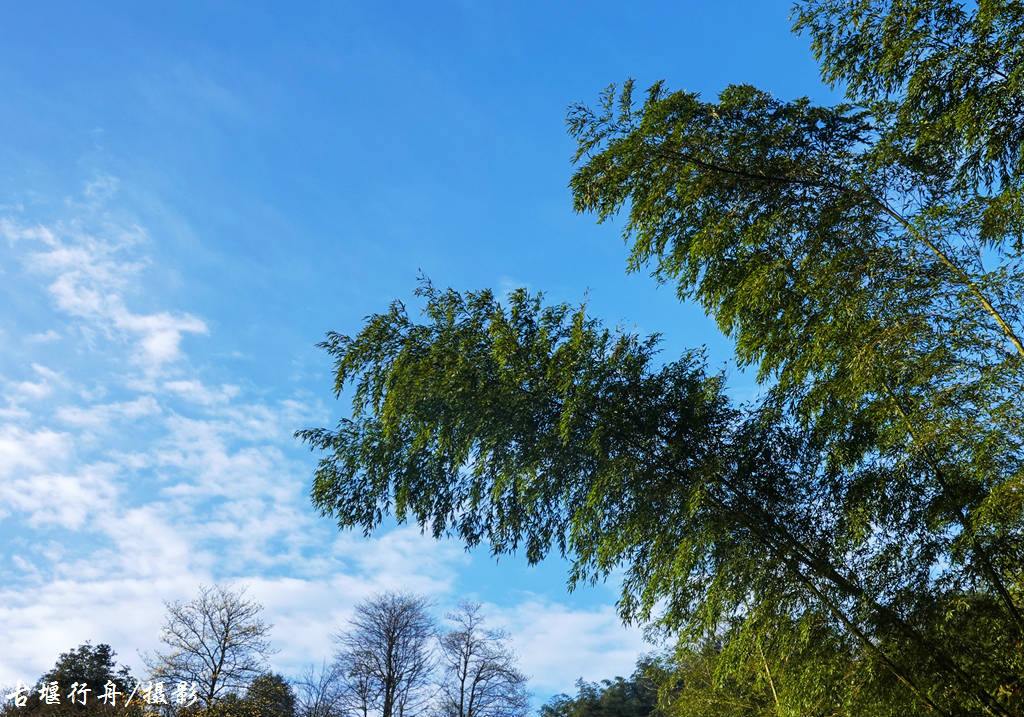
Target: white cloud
{"type": "Point", "coordinates": [167, 480]}
{"type": "Point", "coordinates": [151, 541]}
{"type": "Point", "coordinates": [125, 612]}
{"type": "Point", "coordinates": [14, 413]}
{"type": "Point", "coordinates": [13, 232]}
{"type": "Point", "coordinates": [196, 392]}
{"type": "Point", "coordinates": [98, 417]}
{"type": "Point", "coordinates": [23, 450]}
{"type": "Point", "coordinates": [43, 337]}
{"type": "Point", "coordinates": [18, 391]}
{"type": "Point", "coordinates": [65, 499]}
{"type": "Point", "coordinates": [159, 334]}
{"type": "Point", "coordinates": [542, 629]}
{"type": "Point", "coordinates": [33, 390]}
{"type": "Point", "coordinates": [89, 276]}
{"type": "Point", "coordinates": [49, 374]}
{"type": "Point", "coordinates": [103, 187]}
{"type": "Point", "coordinates": [403, 560]}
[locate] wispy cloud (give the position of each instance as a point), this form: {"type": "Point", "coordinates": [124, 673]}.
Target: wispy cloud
{"type": "Point", "coordinates": [541, 629]}
{"type": "Point", "coordinates": [163, 478]}
{"type": "Point", "coordinates": [89, 272]}
{"type": "Point", "coordinates": [98, 417]}
{"type": "Point", "coordinates": [127, 482]}
{"type": "Point", "coordinates": [42, 337]}
{"type": "Point", "coordinates": [29, 451]}
{"type": "Point", "coordinates": [197, 392]}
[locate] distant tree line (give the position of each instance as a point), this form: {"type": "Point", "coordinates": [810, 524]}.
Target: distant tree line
{"type": "Point", "coordinates": [393, 659]}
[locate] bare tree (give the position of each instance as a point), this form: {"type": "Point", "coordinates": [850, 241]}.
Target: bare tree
{"type": "Point", "coordinates": [217, 641]}
{"type": "Point", "coordinates": [480, 675]}
{"type": "Point", "coordinates": [318, 692]}
{"type": "Point", "coordinates": [386, 655]}
{"type": "Point", "coordinates": [360, 689]}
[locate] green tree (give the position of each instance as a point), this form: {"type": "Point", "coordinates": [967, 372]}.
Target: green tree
{"type": "Point", "coordinates": [88, 664]}
{"type": "Point", "coordinates": [636, 696]}
{"type": "Point", "coordinates": [868, 259]}
{"type": "Point", "coordinates": [768, 665]}
{"type": "Point", "coordinates": [270, 695]}
{"type": "Point", "coordinates": [83, 671]}
{"type": "Point", "coordinates": [227, 705]}
{"type": "Point", "coordinates": [267, 695]}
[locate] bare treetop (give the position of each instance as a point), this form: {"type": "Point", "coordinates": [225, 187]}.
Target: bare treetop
{"type": "Point", "coordinates": [481, 678]}
{"type": "Point", "coordinates": [386, 655]}
{"type": "Point", "coordinates": [218, 640]}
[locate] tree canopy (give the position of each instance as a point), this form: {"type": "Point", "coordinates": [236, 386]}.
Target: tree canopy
{"type": "Point", "coordinates": [635, 696]}
{"type": "Point", "coordinates": [271, 695]}
{"type": "Point", "coordinates": [866, 257]}
{"type": "Point", "coordinates": [80, 676]}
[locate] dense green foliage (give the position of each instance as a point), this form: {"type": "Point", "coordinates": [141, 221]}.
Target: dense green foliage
{"type": "Point", "coordinates": [90, 667]}
{"type": "Point", "coordinates": [636, 696]}
{"type": "Point", "coordinates": [853, 544]}
{"type": "Point", "coordinates": [270, 695]}
{"type": "Point", "coordinates": [267, 695]}
{"type": "Point", "coordinates": [721, 677]}
{"type": "Point", "coordinates": [94, 665]}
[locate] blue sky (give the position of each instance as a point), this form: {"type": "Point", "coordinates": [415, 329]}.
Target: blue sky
{"type": "Point", "coordinates": [192, 195]}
